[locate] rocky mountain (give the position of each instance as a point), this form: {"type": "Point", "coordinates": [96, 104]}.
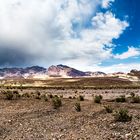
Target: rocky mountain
{"type": "Point", "coordinates": [64, 71]}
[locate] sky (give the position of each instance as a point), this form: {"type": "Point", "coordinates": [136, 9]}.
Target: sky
{"type": "Point", "coordinates": [89, 35]}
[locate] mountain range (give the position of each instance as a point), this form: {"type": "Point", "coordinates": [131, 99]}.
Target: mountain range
{"type": "Point", "coordinates": [37, 72]}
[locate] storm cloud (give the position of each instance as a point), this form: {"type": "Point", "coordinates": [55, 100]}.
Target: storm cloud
{"type": "Point", "coordinates": [45, 32]}
{"type": "Point", "coordinates": [11, 56]}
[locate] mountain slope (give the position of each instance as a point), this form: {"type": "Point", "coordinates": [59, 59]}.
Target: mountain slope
{"type": "Point", "coordinates": [64, 71]}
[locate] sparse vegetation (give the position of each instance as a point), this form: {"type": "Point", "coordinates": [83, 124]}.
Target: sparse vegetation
{"type": "Point", "coordinates": [108, 109]}
{"type": "Point", "coordinates": [81, 98]}
{"type": "Point", "coordinates": [38, 93]}
{"type": "Point", "coordinates": [38, 97]}
{"type": "Point", "coordinates": [56, 102]}
{"type": "Point", "coordinates": [61, 96]}
{"type": "Point", "coordinates": [132, 94]}
{"type": "Point", "coordinates": [16, 94]}
{"type": "Point", "coordinates": [122, 115]}
{"type": "Point", "coordinates": [73, 114]}
{"type": "Point", "coordinates": [9, 95]}
{"type": "Point", "coordinates": [55, 96]}
{"type": "Point", "coordinates": [70, 97]}
{"type": "Point", "coordinates": [136, 99]}
{"type": "Point", "coordinates": [77, 107]}
{"type": "Point", "coordinates": [98, 99]}
{"type": "Point", "coordinates": [74, 97]}
{"type": "Point", "coordinates": [121, 99]}
{"type": "Point", "coordinates": [45, 98]}
{"type": "Point", "coordinates": [26, 95]}
{"type": "Point", "coordinates": [50, 96]}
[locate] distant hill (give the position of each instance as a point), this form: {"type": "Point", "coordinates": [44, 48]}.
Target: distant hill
{"type": "Point", "coordinates": [134, 73]}
{"type": "Point", "coordinates": [63, 71]}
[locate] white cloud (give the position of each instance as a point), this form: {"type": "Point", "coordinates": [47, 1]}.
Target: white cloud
{"type": "Point", "coordinates": [46, 29]}
{"type": "Point", "coordinates": [90, 47]}
{"type": "Point", "coordinates": [132, 52]}
{"type": "Point", "coordinates": [120, 67]}
{"type": "Point", "coordinates": [107, 3]}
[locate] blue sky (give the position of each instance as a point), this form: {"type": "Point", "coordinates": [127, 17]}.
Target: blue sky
{"type": "Point", "coordinates": [129, 11]}
{"type": "Point", "coordinates": [95, 35]}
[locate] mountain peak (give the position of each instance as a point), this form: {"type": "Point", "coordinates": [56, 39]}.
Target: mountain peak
{"type": "Point", "coordinates": [63, 66]}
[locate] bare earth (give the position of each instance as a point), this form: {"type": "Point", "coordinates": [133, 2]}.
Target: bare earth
{"type": "Point", "coordinates": [34, 119]}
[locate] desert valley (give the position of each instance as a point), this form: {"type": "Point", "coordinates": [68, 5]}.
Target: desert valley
{"type": "Point", "coordinates": [69, 70]}
{"type": "Point", "coordinates": [62, 103]}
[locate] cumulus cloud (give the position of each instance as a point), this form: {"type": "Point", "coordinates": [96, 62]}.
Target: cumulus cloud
{"type": "Point", "coordinates": [126, 67]}
{"type": "Point", "coordinates": [132, 52]}
{"type": "Point", "coordinates": [48, 32]}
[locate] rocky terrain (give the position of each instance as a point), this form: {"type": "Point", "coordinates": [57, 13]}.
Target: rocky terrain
{"type": "Point", "coordinates": [32, 118]}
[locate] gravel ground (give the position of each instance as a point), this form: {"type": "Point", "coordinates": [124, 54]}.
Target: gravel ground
{"type": "Point", "coordinates": [33, 119]}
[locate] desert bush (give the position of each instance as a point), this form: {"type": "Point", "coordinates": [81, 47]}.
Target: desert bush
{"type": "Point", "coordinates": [74, 97]}
{"type": "Point", "coordinates": [136, 99]}
{"type": "Point", "coordinates": [121, 99]}
{"type": "Point", "coordinates": [77, 107]}
{"type": "Point", "coordinates": [9, 95]}
{"type": "Point", "coordinates": [132, 94]}
{"type": "Point", "coordinates": [16, 94]}
{"type": "Point", "coordinates": [81, 98]}
{"type": "Point", "coordinates": [56, 102]}
{"type": "Point", "coordinates": [45, 98]}
{"type": "Point", "coordinates": [56, 96]}
{"type": "Point", "coordinates": [108, 109]}
{"type": "Point", "coordinates": [37, 97]}
{"type": "Point", "coordinates": [101, 97]}
{"type": "Point", "coordinates": [61, 96]}
{"type": "Point", "coordinates": [50, 96]}
{"type": "Point", "coordinates": [76, 91]}
{"type": "Point", "coordinates": [38, 93]}
{"type": "Point", "coordinates": [122, 115]}
{"type": "Point", "coordinates": [26, 95]}
{"type": "Point", "coordinates": [70, 97]}
{"type": "Point", "coordinates": [98, 99]}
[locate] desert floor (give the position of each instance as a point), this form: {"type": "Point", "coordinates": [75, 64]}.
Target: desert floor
{"type": "Point", "coordinates": [35, 119]}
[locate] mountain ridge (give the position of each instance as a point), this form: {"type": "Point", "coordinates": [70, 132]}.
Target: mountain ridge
{"type": "Point", "coordinates": [60, 70]}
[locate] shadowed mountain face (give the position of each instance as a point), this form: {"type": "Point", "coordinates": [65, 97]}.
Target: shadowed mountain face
{"type": "Point", "coordinates": [33, 69]}
{"type": "Point", "coordinates": [20, 72]}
